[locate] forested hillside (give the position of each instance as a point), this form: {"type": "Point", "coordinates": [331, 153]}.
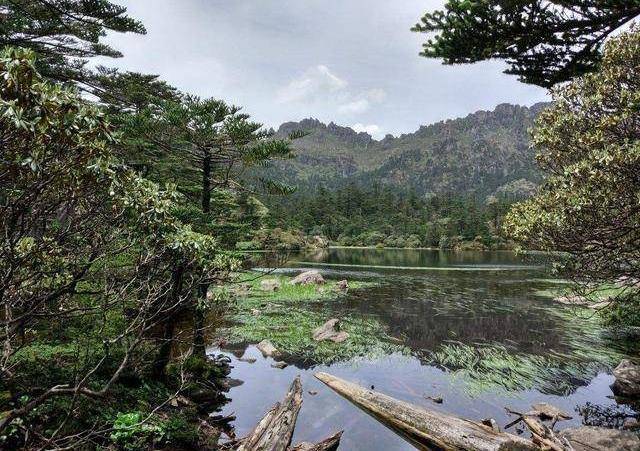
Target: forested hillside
{"type": "Point", "coordinates": [446, 185]}
{"type": "Point", "coordinates": [475, 155]}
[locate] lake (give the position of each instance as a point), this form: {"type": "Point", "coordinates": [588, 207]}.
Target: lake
{"type": "Point", "coordinates": [479, 329]}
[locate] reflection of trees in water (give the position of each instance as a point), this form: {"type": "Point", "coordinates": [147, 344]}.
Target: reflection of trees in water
{"type": "Point", "coordinates": [464, 309]}
{"type": "Point", "coordinates": [419, 257]}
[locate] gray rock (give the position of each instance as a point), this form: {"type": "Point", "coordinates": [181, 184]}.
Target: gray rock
{"type": "Point", "coordinates": [343, 285]}
{"type": "Point", "coordinates": [270, 285]}
{"type": "Point", "coordinates": [267, 349]}
{"type": "Point", "coordinates": [627, 381]}
{"type": "Point", "coordinates": [247, 359]}
{"type": "Point", "coordinates": [279, 365]}
{"type": "Point", "coordinates": [590, 438]}
{"type": "Point", "coordinates": [308, 278]}
{"type": "Point", "coordinates": [631, 424]}
{"type": "Point", "coordinates": [330, 331]}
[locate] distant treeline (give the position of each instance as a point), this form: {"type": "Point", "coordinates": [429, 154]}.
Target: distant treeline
{"type": "Point", "coordinates": [387, 216]}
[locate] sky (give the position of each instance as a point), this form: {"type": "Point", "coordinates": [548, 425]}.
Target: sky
{"type": "Point", "coordinates": [353, 62]}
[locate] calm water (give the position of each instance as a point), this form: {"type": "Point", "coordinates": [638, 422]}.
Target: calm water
{"type": "Point", "coordinates": [444, 307]}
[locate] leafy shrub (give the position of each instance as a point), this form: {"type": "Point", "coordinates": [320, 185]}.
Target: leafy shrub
{"type": "Point", "coordinates": [132, 431]}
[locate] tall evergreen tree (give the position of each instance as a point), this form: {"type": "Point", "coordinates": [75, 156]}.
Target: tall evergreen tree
{"type": "Point", "coordinates": [64, 33]}
{"type": "Point", "coordinates": [544, 42]}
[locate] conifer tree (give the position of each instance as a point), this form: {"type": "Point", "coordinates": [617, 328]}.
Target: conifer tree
{"type": "Point", "coordinates": [64, 33]}
{"type": "Point", "coordinates": [543, 42]}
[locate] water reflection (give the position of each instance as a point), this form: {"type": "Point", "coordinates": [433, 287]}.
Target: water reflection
{"type": "Point", "coordinates": [487, 302]}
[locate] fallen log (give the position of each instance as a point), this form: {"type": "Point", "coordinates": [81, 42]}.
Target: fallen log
{"type": "Point", "coordinates": [423, 428]}
{"type": "Point", "coordinates": [328, 444]}
{"type": "Point", "coordinates": [274, 431]}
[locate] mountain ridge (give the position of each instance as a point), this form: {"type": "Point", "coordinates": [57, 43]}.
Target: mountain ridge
{"type": "Point", "coordinates": [475, 154]}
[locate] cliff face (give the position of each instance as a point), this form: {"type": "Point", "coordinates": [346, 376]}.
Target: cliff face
{"type": "Point", "coordinates": [476, 154]}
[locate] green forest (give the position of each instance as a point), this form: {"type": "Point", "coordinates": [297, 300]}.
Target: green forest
{"type": "Point", "coordinates": [130, 212]}
{"type": "Point", "coordinates": [387, 217]}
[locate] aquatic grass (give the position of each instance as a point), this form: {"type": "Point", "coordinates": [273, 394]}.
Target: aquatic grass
{"type": "Point", "coordinates": [288, 293]}
{"type": "Point", "coordinates": [599, 293]}
{"type": "Point", "coordinates": [496, 368]}
{"type": "Point", "coordinates": [485, 367]}
{"type": "Point", "coordinates": [288, 316]}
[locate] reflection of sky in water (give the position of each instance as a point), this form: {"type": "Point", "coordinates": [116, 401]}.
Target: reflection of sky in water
{"type": "Point", "coordinates": [426, 310]}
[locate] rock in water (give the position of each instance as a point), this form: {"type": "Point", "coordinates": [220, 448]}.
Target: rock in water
{"type": "Point", "coordinates": [627, 381]}
{"type": "Point", "coordinates": [343, 285]}
{"type": "Point", "coordinates": [279, 365]}
{"type": "Point", "coordinates": [267, 349]}
{"type": "Point", "coordinates": [590, 438]}
{"type": "Point", "coordinates": [270, 285]}
{"type": "Point", "coordinates": [308, 278]}
{"type": "Point", "coordinates": [330, 331]}
{"type": "Point", "coordinates": [247, 359]}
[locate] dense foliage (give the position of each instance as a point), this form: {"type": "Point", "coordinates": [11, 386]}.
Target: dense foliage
{"type": "Point", "coordinates": [93, 262]}
{"type": "Point", "coordinates": [589, 206]}
{"type": "Point", "coordinates": [64, 33]}
{"type": "Point", "coordinates": [544, 42]}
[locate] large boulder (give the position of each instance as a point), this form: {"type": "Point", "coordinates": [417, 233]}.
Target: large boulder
{"type": "Point", "coordinates": [308, 278]}
{"type": "Point", "coordinates": [627, 381]}
{"type": "Point", "coordinates": [590, 438]}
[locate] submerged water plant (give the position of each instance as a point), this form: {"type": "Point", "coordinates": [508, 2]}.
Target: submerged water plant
{"type": "Point", "coordinates": [288, 316]}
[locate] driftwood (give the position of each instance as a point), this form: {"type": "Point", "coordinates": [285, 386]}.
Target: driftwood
{"type": "Point", "coordinates": [426, 429]}
{"type": "Point", "coordinates": [542, 435]}
{"type": "Point", "coordinates": [328, 444]}
{"type": "Point", "coordinates": [274, 431]}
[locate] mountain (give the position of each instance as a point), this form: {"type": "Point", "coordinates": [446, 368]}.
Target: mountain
{"type": "Point", "coordinates": [482, 153]}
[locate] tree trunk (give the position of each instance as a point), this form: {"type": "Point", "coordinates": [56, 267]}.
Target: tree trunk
{"type": "Point", "coordinates": [274, 431]}
{"type": "Point", "coordinates": [199, 346]}
{"type": "Point", "coordinates": [423, 428]}
{"type": "Point", "coordinates": [164, 352]}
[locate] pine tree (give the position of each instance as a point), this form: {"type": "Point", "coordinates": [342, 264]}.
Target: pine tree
{"type": "Point", "coordinates": [64, 33]}
{"type": "Point", "coordinates": [544, 42]}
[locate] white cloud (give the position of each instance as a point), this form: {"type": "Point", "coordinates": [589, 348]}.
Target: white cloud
{"type": "Point", "coordinates": [363, 102]}
{"type": "Point", "coordinates": [318, 86]}
{"type": "Point", "coordinates": [372, 129]}
{"type": "Point", "coordinates": [357, 106]}
{"type": "Point", "coordinates": [316, 82]}
{"type": "Point", "coordinates": [376, 95]}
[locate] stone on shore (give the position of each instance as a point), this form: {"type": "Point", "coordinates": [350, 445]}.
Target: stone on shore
{"type": "Point", "coordinates": [342, 285]}
{"type": "Point", "coordinates": [267, 349]}
{"type": "Point", "coordinates": [627, 381]}
{"type": "Point", "coordinates": [330, 331]}
{"type": "Point", "coordinates": [591, 438]}
{"type": "Point", "coordinates": [270, 285]}
{"type": "Point", "coordinates": [308, 278]}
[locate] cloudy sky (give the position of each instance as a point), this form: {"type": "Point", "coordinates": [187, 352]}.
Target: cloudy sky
{"type": "Point", "coordinates": [353, 62]}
